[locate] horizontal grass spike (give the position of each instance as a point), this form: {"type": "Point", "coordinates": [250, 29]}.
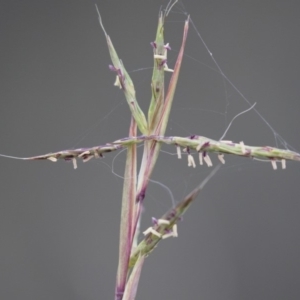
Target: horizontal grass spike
{"type": "Point", "coordinates": [208, 146]}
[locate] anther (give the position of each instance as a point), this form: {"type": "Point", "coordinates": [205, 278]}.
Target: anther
{"type": "Point", "coordinates": [151, 230]}
{"type": "Point", "coordinates": [274, 165]}
{"type": "Point", "coordinates": [167, 69]}
{"type": "Point", "coordinates": [226, 141]}
{"type": "Point", "coordinates": [162, 221]}
{"type": "Point", "coordinates": [157, 56]}
{"type": "Point", "coordinates": [178, 149]}
{"type": "Point", "coordinates": [207, 160]}
{"type": "Point", "coordinates": [74, 161]}
{"type": "Point", "coordinates": [201, 158]}
{"type": "Point", "coordinates": [243, 147]}
{"type": "Point", "coordinates": [87, 158]}
{"type": "Point", "coordinates": [191, 161]}
{"type": "Point", "coordinates": [167, 235]}
{"type": "Point", "coordinates": [84, 153]}
{"type": "Point", "coordinates": [174, 229]}
{"type": "Point", "coordinates": [52, 158]}
{"type": "Point", "coordinates": [118, 82]}
{"type": "Point", "coordinates": [221, 158]}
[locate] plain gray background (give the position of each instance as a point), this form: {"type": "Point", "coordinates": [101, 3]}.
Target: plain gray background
{"type": "Point", "coordinates": [59, 227]}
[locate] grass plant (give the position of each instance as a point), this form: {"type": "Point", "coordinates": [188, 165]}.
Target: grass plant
{"type": "Point", "coordinates": [149, 129]}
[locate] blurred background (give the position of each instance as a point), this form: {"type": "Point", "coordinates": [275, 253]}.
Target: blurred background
{"type": "Point", "coordinates": [59, 227]}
